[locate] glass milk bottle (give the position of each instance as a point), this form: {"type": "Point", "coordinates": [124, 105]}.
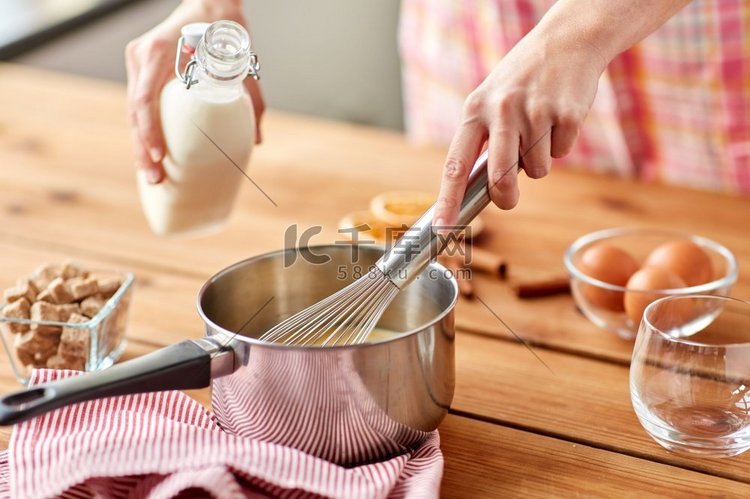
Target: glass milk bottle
{"type": "Point", "coordinates": [209, 129]}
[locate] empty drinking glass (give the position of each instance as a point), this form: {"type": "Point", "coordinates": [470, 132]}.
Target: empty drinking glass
{"type": "Point", "coordinates": [690, 374]}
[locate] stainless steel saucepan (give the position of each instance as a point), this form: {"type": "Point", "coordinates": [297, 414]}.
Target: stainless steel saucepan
{"type": "Point", "coordinates": [348, 405]}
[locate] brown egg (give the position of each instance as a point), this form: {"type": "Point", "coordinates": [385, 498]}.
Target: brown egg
{"type": "Point", "coordinates": [686, 259]}
{"type": "Point", "coordinates": [646, 279]}
{"type": "Point", "coordinates": [609, 264]}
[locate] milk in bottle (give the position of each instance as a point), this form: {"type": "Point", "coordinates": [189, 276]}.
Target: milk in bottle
{"type": "Point", "coordinates": [209, 129]}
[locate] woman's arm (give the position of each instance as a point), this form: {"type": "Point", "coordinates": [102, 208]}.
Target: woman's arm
{"type": "Point", "coordinates": [532, 104]}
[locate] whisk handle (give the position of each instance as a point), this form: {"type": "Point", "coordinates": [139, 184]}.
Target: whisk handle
{"type": "Point", "coordinates": [421, 244]}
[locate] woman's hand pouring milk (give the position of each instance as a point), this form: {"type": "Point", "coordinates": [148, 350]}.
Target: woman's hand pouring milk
{"type": "Point", "coordinates": [150, 61]}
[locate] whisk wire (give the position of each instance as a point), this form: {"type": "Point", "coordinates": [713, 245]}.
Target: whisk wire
{"type": "Point", "coordinates": [346, 317]}
{"type": "Point", "coordinates": [379, 306]}
{"type": "Point", "coordinates": [354, 322]}
{"type": "Point", "coordinates": [340, 315]}
{"type": "Point", "coordinates": [278, 332]}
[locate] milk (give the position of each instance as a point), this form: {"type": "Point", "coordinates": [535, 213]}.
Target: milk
{"type": "Point", "coordinates": [209, 129]}
{"type": "Point", "coordinates": [202, 183]}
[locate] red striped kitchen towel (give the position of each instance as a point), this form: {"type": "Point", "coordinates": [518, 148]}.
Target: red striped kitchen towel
{"type": "Point", "coordinates": [166, 444]}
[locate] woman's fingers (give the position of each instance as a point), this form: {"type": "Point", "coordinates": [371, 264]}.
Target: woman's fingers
{"type": "Point", "coordinates": [535, 152]}
{"type": "Point", "coordinates": [503, 167]}
{"type": "Point", "coordinates": [259, 105]}
{"type": "Point", "coordinates": [131, 68]}
{"type": "Point", "coordinates": [147, 64]}
{"type": "Point", "coordinates": [463, 152]}
{"type": "Point", "coordinates": [532, 104]}
{"type": "Point", "coordinates": [564, 134]}
{"type": "Point", "coordinates": [146, 100]}
{"type": "Point", "coordinates": [154, 172]}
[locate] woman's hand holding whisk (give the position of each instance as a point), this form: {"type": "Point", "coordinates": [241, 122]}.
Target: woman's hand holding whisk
{"type": "Point", "coordinates": [531, 106]}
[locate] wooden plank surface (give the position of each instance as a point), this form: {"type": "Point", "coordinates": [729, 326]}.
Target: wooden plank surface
{"type": "Point", "coordinates": [72, 188]}
{"type": "Point", "coordinates": [580, 400]}
{"type": "Point", "coordinates": [67, 190]}
{"type": "Point", "coordinates": [490, 460]}
{"type": "Point", "coordinates": [487, 460]}
{"type": "Point", "coordinates": [497, 380]}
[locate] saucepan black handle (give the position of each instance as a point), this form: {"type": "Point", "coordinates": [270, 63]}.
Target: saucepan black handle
{"type": "Point", "coordinates": [182, 366]}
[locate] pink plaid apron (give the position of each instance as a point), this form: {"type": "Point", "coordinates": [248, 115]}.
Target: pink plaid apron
{"type": "Point", "coordinates": [675, 108]}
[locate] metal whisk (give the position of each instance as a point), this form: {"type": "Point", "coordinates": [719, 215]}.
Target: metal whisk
{"type": "Point", "coordinates": [349, 316]}
{"type": "Point", "coordinates": [344, 318]}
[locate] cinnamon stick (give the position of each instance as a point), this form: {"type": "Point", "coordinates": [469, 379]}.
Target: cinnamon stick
{"type": "Point", "coordinates": [486, 261]}
{"type": "Point", "coordinates": [543, 287]}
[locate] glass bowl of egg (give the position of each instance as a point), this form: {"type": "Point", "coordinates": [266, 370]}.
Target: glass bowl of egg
{"type": "Point", "coordinates": [616, 273]}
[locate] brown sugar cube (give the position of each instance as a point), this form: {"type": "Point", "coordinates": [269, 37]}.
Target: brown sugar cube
{"type": "Point", "coordinates": [66, 310]}
{"type": "Point", "coordinates": [45, 295]}
{"type": "Point", "coordinates": [60, 362]}
{"type": "Point", "coordinates": [43, 311]}
{"type": "Point", "coordinates": [108, 285]}
{"type": "Point", "coordinates": [58, 291]}
{"type": "Point", "coordinates": [74, 342]}
{"type": "Point", "coordinates": [43, 275]}
{"type": "Point", "coordinates": [70, 270]}
{"type": "Point", "coordinates": [34, 348]}
{"type": "Point", "coordinates": [76, 318]}
{"type": "Point", "coordinates": [19, 309]}
{"type": "Point", "coordinates": [40, 358]}
{"type": "Point", "coordinates": [92, 305]}
{"type": "Point", "coordinates": [80, 288]}
{"type": "Point", "coordinates": [24, 289]}
{"type": "Point", "coordinates": [30, 283]}
{"type": "Point", "coordinates": [40, 283]}
{"type": "Point", "coordinates": [48, 271]}
{"type": "Point", "coordinates": [38, 342]}
{"type": "Point", "coordinates": [24, 356]}
{"type": "Point", "coordinates": [57, 361]}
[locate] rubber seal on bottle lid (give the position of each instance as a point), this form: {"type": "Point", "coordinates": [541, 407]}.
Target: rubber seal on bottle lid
{"type": "Point", "coordinates": [193, 32]}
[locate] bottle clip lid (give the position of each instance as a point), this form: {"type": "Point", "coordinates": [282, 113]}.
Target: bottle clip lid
{"type": "Point", "coordinates": [191, 35]}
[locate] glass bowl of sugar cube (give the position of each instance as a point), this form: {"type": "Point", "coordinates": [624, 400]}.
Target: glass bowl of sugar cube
{"type": "Point", "coordinates": [65, 317]}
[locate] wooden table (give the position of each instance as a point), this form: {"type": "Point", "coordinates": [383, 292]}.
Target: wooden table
{"type": "Point", "coordinates": [67, 190]}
